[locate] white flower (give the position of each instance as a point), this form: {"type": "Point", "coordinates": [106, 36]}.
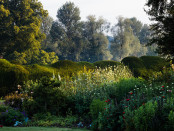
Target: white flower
{"type": "Point", "coordinates": [22, 99]}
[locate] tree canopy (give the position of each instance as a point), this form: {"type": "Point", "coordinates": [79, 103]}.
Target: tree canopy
{"type": "Point", "coordinates": [128, 34]}
{"type": "Point", "coordinates": [162, 12]}
{"type": "Point", "coordinates": [20, 34]}
{"type": "Point", "coordinates": [66, 32]}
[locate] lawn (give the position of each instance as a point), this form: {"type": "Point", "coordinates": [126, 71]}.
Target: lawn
{"type": "Point", "coordinates": [39, 129]}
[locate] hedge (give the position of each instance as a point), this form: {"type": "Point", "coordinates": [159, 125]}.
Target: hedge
{"type": "Point", "coordinates": [10, 76]}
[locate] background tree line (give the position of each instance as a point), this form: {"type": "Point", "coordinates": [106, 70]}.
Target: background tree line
{"type": "Point", "coordinates": [29, 35]}
{"type": "Point", "coordinates": [78, 40]}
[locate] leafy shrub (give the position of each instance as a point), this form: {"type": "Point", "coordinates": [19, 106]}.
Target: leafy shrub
{"type": "Point", "coordinates": [108, 119]}
{"type": "Point", "coordinates": [127, 85]}
{"type": "Point", "coordinates": [3, 108]}
{"type": "Point", "coordinates": [15, 100]}
{"type": "Point", "coordinates": [46, 119]}
{"type": "Point", "coordinates": [49, 97]}
{"type": "Point", "coordinates": [89, 85]}
{"type": "Point", "coordinates": [30, 106]}
{"type": "Point", "coordinates": [144, 73]}
{"type": "Point", "coordinates": [144, 115]}
{"type": "Point", "coordinates": [10, 116]}
{"type": "Point", "coordinates": [95, 107]}
{"type": "Point", "coordinates": [171, 120]}
{"type": "Point", "coordinates": [10, 76]}
{"type": "Point", "coordinates": [166, 75]}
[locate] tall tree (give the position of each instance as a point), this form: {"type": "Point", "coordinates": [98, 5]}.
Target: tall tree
{"type": "Point", "coordinates": [97, 45]}
{"type": "Point", "coordinates": [20, 34]}
{"type": "Point", "coordinates": [126, 41]}
{"type": "Point", "coordinates": [19, 26]}
{"type": "Point", "coordinates": [162, 12]}
{"type": "Point", "coordinates": [66, 32]}
{"type": "Point", "coordinates": [45, 28]}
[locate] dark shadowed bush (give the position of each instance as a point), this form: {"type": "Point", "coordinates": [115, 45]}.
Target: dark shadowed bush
{"type": "Point", "coordinates": [154, 63]}
{"type": "Point", "coordinates": [106, 63]}
{"type": "Point", "coordinates": [64, 64]}
{"type": "Point", "coordinates": [49, 97]}
{"type": "Point", "coordinates": [10, 76]}
{"type": "Point", "coordinates": [10, 116]}
{"type": "Point", "coordinates": [135, 64]}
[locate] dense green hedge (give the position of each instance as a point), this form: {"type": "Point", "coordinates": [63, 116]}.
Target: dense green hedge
{"type": "Point", "coordinates": [135, 64]}
{"type": "Point", "coordinates": [10, 76]}
{"type": "Point", "coordinates": [154, 63]}
{"type": "Point", "coordinates": [66, 68]}
{"type": "Point", "coordinates": [145, 66]}
{"type": "Point", "coordinates": [88, 65]}
{"type": "Point", "coordinates": [106, 63]}
{"type": "Point", "coordinates": [38, 71]}
{"type": "Point", "coordinates": [64, 64]}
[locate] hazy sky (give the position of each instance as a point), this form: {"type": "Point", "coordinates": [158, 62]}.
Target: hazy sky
{"type": "Point", "coordinates": [109, 9]}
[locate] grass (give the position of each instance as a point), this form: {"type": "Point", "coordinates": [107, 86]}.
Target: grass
{"type": "Point", "coordinates": [39, 129]}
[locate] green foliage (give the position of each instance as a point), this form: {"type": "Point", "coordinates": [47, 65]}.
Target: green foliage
{"type": "Point", "coordinates": [37, 71]}
{"type": "Point", "coordinates": [3, 108]}
{"type": "Point", "coordinates": [162, 27]}
{"type": "Point", "coordinates": [96, 43]}
{"type": "Point", "coordinates": [15, 100]}
{"type": "Point", "coordinates": [65, 64]}
{"type": "Point", "coordinates": [154, 63]}
{"type": "Point", "coordinates": [127, 85]}
{"type": "Point", "coordinates": [66, 32]}
{"type": "Point", "coordinates": [144, 116]}
{"type": "Point", "coordinates": [10, 116]}
{"type": "Point", "coordinates": [88, 85]}
{"type": "Point", "coordinates": [107, 120]}
{"type": "Point", "coordinates": [30, 106]}
{"type": "Point", "coordinates": [39, 57]}
{"type": "Point", "coordinates": [20, 28]}
{"type": "Point", "coordinates": [10, 76]}
{"type": "Point", "coordinates": [144, 73]}
{"type": "Point", "coordinates": [133, 62]}
{"type": "Point", "coordinates": [88, 65]}
{"type": "Point", "coordinates": [145, 66]}
{"type": "Point", "coordinates": [105, 64]}
{"type": "Point", "coordinates": [46, 119]}
{"type": "Point", "coordinates": [97, 106]}
{"type": "Point", "coordinates": [171, 119]}
{"type": "Point", "coordinates": [126, 39]}
{"type": "Point", "coordinates": [67, 68]}
{"type": "Point", "coordinates": [49, 97]}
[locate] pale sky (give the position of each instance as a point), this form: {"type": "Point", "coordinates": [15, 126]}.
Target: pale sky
{"type": "Point", "coordinates": [108, 9]}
